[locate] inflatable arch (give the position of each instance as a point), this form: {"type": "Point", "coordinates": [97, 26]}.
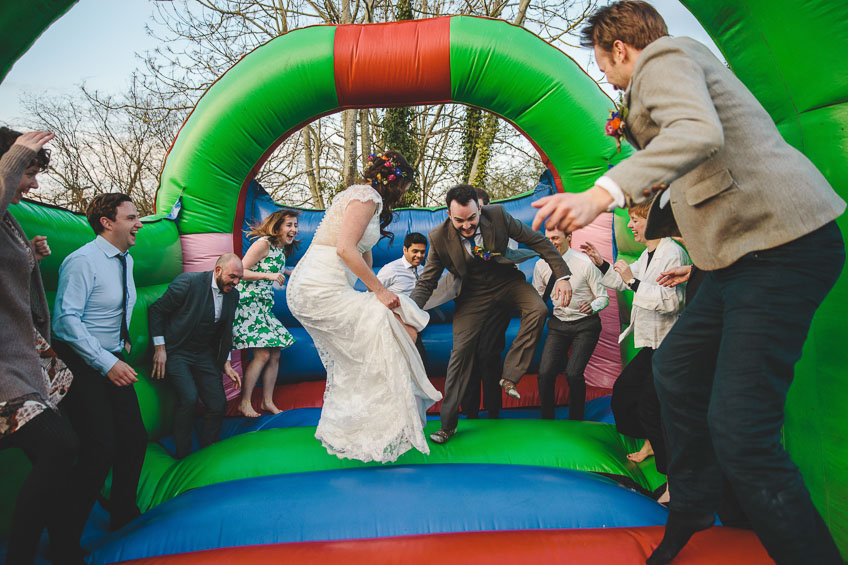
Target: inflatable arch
{"type": "Point", "coordinates": [213, 178]}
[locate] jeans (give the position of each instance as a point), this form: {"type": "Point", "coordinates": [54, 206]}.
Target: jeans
{"type": "Point", "coordinates": [722, 375]}
{"type": "Point", "coordinates": [581, 337]}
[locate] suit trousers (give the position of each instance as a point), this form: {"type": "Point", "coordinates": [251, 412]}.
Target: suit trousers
{"type": "Point", "coordinates": [51, 446]}
{"type": "Point", "coordinates": [472, 310]}
{"type": "Point", "coordinates": [580, 336]}
{"type": "Point", "coordinates": [194, 375]}
{"type": "Point", "coordinates": [487, 368]}
{"type": "Point", "coordinates": [722, 375]}
{"type": "Point", "coordinates": [107, 420]}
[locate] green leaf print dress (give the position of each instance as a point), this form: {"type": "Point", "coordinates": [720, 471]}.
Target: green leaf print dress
{"type": "Point", "coordinates": [255, 324]}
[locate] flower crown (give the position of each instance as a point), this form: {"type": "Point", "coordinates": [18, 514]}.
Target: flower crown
{"type": "Point", "coordinates": [394, 171]}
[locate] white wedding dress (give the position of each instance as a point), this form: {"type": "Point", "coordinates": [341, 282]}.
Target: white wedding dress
{"type": "Point", "coordinates": [377, 391]}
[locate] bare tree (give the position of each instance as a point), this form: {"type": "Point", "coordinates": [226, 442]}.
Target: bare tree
{"type": "Point", "coordinates": [119, 141]}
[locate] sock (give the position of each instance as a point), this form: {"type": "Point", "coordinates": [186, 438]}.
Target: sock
{"type": "Point", "coordinates": [679, 528]}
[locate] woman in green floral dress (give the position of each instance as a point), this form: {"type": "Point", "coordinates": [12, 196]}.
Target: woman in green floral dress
{"type": "Point", "coordinates": [256, 328]}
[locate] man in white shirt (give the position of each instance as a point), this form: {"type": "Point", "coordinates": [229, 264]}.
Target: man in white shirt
{"type": "Point", "coordinates": [575, 327]}
{"type": "Point", "coordinates": [400, 275]}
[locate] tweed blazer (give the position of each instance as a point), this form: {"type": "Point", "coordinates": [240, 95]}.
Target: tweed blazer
{"type": "Point", "coordinates": [175, 315]}
{"type": "Point", "coordinates": [735, 186]}
{"type": "Point", "coordinates": [496, 227]}
{"type": "Point", "coordinates": [23, 305]}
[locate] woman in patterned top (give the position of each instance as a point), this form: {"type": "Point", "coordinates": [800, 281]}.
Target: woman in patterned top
{"type": "Point", "coordinates": [32, 378]}
{"type": "Point", "coordinates": [255, 327]}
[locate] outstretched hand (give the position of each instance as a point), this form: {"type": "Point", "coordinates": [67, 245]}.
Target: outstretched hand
{"type": "Point", "coordinates": [569, 211]}
{"type": "Point", "coordinates": [34, 140]}
{"type": "Point", "coordinates": [675, 276]}
{"type": "Point", "coordinates": [592, 252]}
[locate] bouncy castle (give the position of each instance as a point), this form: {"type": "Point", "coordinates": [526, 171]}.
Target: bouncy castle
{"type": "Point", "coordinates": [507, 490]}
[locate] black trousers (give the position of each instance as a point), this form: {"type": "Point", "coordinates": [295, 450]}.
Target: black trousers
{"type": "Point", "coordinates": [194, 375]}
{"type": "Point", "coordinates": [107, 420]}
{"type": "Point", "coordinates": [51, 446]}
{"type": "Point", "coordinates": [636, 407]}
{"type": "Point", "coordinates": [722, 375]}
{"type": "Point", "coordinates": [487, 368]}
{"type": "Point", "coordinates": [581, 337]}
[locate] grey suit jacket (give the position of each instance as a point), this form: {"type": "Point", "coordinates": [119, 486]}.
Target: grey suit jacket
{"type": "Point", "coordinates": [496, 227]}
{"type": "Point", "coordinates": [176, 313]}
{"type": "Point", "coordinates": [735, 185]}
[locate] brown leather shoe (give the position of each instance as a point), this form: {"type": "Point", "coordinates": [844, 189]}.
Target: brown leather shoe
{"type": "Point", "coordinates": [442, 436]}
{"type": "Point", "coordinates": [509, 388]}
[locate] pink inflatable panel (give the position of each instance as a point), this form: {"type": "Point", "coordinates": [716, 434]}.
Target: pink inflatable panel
{"type": "Point", "coordinates": [605, 364]}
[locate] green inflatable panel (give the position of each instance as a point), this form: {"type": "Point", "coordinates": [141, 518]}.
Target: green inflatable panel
{"type": "Point", "coordinates": [272, 91]}
{"type": "Point", "coordinates": [791, 56]}
{"type": "Point", "coordinates": [586, 446]}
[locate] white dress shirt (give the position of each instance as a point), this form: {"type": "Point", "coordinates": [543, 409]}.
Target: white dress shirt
{"type": "Point", "coordinates": [89, 302]}
{"type": "Point", "coordinates": [398, 276]}
{"type": "Point", "coordinates": [655, 307]}
{"type": "Point", "coordinates": [585, 285]}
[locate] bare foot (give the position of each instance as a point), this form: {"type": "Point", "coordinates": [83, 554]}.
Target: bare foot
{"type": "Point", "coordinates": [665, 496]}
{"type": "Point", "coordinates": [270, 407]}
{"type": "Point", "coordinates": [642, 454]}
{"type": "Point", "coordinates": [247, 410]}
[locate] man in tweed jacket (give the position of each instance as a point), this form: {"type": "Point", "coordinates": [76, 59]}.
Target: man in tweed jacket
{"type": "Point", "coordinates": [758, 216]}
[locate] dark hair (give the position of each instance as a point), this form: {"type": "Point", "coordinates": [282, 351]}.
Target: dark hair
{"type": "Point", "coordinates": [270, 228]}
{"type": "Point", "coordinates": [634, 22]}
{"type": "Point", "coordinates": [482, 196]}
{"type": "Point", "coordinates": [104, 205]}
{"type": "Point", "coordinates": [462, 193]}
{"type": "Point", "coordinates": [8, 138]}
{"type": "Point", "coordinates": [414, 238]}
{"type": "Point", "coordinates": [378, 173]}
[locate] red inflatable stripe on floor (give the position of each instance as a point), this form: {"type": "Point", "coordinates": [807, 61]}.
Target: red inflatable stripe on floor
{"type": "Point", "coordinates": [310, 394]}
{"type": "Point", "coordinates": [399, 63]}
{"type": "Point", "coordinates": [621, 546]}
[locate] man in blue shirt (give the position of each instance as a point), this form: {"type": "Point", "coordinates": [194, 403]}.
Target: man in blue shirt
{"type": "Point", "coordinates": [91, 316]}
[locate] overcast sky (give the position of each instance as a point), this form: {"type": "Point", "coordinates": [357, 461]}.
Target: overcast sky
{"type": "Point", "coordinates": [96, 42]}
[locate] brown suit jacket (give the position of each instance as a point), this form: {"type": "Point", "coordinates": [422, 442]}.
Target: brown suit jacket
{"type": "Point", "coordinates": [735, 185]}
{"type": "Point", "coordinates": [496, 227]}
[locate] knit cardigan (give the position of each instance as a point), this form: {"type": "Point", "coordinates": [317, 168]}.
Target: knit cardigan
{"type": "Point", "coordinates": [23, 303]}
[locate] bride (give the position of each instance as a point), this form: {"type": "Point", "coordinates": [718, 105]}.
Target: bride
{"type": "Point", "coordinates": [377, 391]}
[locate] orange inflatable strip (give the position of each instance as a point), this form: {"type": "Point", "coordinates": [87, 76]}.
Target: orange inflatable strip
{"type": "Point", "coordinates": [399, 63]}
{"type": "Point", "coordinates": [619, 546]}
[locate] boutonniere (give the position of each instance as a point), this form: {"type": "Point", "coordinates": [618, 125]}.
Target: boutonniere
{"type": "Point", "coordinates": [483, 253]}
{"type": "Point", "coordinates": [615, 124]}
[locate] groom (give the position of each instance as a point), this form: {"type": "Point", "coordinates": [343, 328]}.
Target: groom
{"type": "Point", "coordinates": [472, 244]}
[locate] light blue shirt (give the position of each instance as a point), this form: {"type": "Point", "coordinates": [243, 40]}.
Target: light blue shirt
{"type": "Point", "coordinates": [88, 309]}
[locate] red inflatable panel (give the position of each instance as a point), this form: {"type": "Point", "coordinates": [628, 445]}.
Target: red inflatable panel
{"type": "Point", "coordinates": [619, 546]}
{"type": "Point", "coordinates": [399, 63]}
{"type": "Point", "coordinates": [310, 394]}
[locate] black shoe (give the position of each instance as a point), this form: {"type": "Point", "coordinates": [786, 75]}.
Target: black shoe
{"type": "Point", "coordinates": [679, 528]}
{"type": "Point", "coordinates": [118, 521]}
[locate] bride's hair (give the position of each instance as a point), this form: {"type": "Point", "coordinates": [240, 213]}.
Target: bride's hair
{"type": "Point", "coordinates": [388, 173]}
